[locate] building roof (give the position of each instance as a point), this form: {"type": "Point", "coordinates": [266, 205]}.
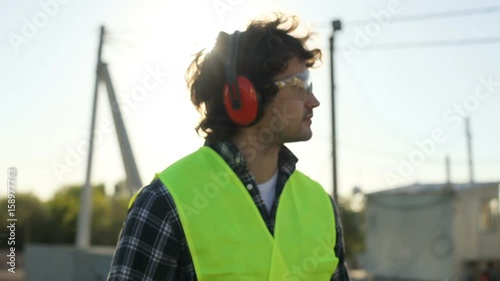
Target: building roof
{"type": "Point", "coordinates": [433, 188]}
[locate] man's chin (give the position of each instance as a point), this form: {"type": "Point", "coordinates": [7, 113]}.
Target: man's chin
{"type": "Point", "coordinates": [302, 136]}
{"type": "Point", "coordinates": [307, 134]}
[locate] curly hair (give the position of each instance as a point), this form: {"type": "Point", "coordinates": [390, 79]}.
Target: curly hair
{"type": "Point", "coordinates": [264, 50]}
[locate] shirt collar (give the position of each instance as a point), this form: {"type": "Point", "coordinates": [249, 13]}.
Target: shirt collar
{"type": "Point", "coordinates": [234, 158]}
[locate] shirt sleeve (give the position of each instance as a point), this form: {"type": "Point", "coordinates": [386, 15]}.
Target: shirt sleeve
{"type": "Point", "coordinates": [148, 246]}
{"type": "Point", "coordinates": [341, 273]}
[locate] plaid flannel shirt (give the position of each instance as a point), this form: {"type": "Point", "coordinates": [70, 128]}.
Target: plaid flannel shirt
{"type": "Point", "coordinates": [152, 245]}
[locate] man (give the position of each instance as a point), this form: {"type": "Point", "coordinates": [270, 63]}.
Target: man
{"type": "Point", "coordinates": [237, 209]}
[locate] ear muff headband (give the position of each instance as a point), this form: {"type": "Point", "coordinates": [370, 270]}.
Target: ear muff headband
{"type": "Point", "coordinates": [240, 98]}
{"type": "Point", "coordinates": [232, 53]}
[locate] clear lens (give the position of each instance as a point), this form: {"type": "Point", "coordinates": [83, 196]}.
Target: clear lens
{"type": "Point", "coordinates": [301, 80]}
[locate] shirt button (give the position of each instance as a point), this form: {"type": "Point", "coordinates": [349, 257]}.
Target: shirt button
{"type": "Point", "coordinates": [249, 186]}
{"type": "Point", "coordinates": [237, 160]}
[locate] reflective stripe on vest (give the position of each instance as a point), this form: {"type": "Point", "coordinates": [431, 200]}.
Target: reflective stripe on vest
{"type": "Point", "coordinates": [225, 232]}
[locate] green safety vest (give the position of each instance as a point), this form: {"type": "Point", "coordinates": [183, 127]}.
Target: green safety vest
{"type": "Point", "coordinates": [229, 240]}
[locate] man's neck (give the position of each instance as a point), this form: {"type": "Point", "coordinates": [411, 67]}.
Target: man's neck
{"type": "Point", "coordinates": [262, 161]}
{"type": "Point", "coordinates": [264, 165]}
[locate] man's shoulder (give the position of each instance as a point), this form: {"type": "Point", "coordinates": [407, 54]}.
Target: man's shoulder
{"type": "Point", "coordinates": [302, 176]}
{"type": "Point", "coordinates": [312, 183]}
{"type": "Point", "coordinates": [153, 194]}
{"type": "Point", "coordinates": [155, 188]}
{"type": "Point", "coordinates": [189, 158]}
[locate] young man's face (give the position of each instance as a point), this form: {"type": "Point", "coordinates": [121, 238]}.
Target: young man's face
{"type": "Point", "coordinates": [289, 115]}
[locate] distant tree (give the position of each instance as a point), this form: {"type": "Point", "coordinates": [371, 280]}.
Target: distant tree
{"type": "Point", "coordinates": [64, 208]}
{"type": "Point", "coordinates": [56, 220]}
{"type": "Point", "coordinates": [122, 190]}
{"type": "Point", "coordinates": [108, 214]}
{"type": "Point", "coordinates": [354, 231]}
{"type": "Point", "coordinates": [32, 223]}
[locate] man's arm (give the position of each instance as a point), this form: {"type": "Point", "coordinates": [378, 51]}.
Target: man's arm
{"type": "Point", "coordinates": [149, 244]}
{"type": "Point", "coordinates": [341, 273]}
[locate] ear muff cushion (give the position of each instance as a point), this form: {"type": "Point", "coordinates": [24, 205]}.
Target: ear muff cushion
{"type": "Point", "coordinates": [247, 112]}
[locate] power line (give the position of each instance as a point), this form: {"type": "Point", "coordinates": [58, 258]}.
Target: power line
{"type": "Point", "coordinates": [421, 17]}
{"type": "Point", "coordinates": [435, 43]}
{"type": "Point", "coordinates": [435, 15]}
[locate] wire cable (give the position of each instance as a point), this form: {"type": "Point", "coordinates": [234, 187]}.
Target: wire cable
{"type": "Point", "coordinates": [435, 15]}
{"type": "Point", "coordinates": [422, 17]}
{"type": "Point", "coordinates": [434, 43]}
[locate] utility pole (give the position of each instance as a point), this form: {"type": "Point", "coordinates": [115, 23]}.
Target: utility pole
{"type": "Point", "coordinates": [337, 25]}
{"type": "Point", "coordinates": [469, 149]}
{"type": "Point", "coordinates": [133, 179]}
{"type": "Point", "coordinates": [448, 170]}
{"type": "Point", "coordinates": [84, 216]}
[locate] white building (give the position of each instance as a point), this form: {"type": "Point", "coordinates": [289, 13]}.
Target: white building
{"type": "Point", "coordinates": [432, 231]}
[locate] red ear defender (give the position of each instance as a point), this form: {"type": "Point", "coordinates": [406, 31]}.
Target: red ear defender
{"type": "Point", "coordinates": [240, 98]}
{"type": "Point", "coordinates": [243, 112]}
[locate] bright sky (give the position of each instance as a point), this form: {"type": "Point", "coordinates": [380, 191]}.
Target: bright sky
{"type": "Point", "coordinates": [388, 100]}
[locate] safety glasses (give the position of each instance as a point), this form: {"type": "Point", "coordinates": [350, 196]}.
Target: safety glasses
{"type": "Point", "coordinates": [300, 81]}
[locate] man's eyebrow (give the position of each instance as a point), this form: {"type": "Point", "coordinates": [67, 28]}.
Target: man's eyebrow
{"type": "Point", "coordinates": [303, 74]}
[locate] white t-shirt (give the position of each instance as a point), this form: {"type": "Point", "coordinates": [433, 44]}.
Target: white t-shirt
{"type": "Point", "coordinates": [268, 190]}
